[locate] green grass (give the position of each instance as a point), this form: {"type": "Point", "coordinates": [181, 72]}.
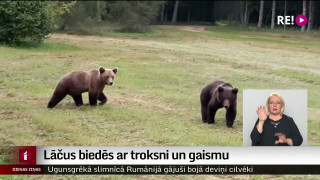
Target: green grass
{"type": "Point", "coordinates": [47, 46]}
{"type": "Point", "coordinates": [155, 97]}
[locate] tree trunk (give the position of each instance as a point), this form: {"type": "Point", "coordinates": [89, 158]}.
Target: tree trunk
{"type": "Point", "coordinates": [261, 14]}
{"type": "Point", "coordinates": [241, 15]}
{"type": "Point", "coordinates": [273, 14]}
{"type": "Point", "coordinates": [162, 12]}
{"type": "Point", "coordinates": [166, 15]}
{"type": "Point", "coordinates": [98, 15]}
{"type": "Point", "coordinates": [189, 13]}
{"type": "Point", "coordinates": [213, 12]}
{"type": "Point", "coordinates": [310, 19]}
{"type": "Point", "coordinates": [246, 14]}
{"type": "Point", "coordinates": [175, 12]}
{"type": "Point", "coordinates": [304, 12]}
{"type": "Point", "coordinates": [285, 11]}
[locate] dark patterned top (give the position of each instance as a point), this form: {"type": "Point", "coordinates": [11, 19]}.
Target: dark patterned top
{"type": "Point", "coordinates": [285, 125]}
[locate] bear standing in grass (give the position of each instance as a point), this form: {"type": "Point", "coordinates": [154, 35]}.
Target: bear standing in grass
{"type": "Point", "coordinates": [217, 95]}
{"type": "Point", "coordinates": [78, 82]}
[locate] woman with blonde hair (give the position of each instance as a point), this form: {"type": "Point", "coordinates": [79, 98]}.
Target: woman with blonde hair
{"type": "Point", "coordinates": [273, 128]}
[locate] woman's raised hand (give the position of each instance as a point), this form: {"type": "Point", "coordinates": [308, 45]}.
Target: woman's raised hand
{"type": "Point", "coordinates": [261, 111]}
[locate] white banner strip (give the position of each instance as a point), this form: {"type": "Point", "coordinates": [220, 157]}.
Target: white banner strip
{"type": "Point", "coordinates": [186, 155]}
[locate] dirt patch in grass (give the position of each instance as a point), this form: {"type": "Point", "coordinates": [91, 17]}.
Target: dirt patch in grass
{"type": "Point", "coordinates": [193, 28]}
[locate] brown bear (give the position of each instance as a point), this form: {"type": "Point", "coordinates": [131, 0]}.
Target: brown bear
{"type": "Point", "coordinates": [217, 95]}
{"type": "Point", "coordinates": [78, 82]}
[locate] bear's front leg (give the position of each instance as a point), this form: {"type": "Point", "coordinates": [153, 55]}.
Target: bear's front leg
{"type": "Point", "coordinates": [211, 113]}
{"type": "Point", "coordinates": [231, 115]}
{"type": "Point", "coordinates": [93, 98]}
{"type": "Point", "coordinates": [103, 98]}
{"type": "Point", "coordinates": [204, 108]}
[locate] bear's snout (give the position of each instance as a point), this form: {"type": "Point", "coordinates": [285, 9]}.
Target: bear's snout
{"type": "Point", "coordinates": [110, 83]}
{"type": "Point", "coordinates": [226, 103]}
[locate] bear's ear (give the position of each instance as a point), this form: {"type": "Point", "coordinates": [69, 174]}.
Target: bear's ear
{"type": "Point", "coordinates": [115, 70]}
{"type": "Point", "coordinates": [235, 90]}
{"type": "Point", "coordinates": [220, 89]}
{"type": "Point", "coordinates": [101, 69]}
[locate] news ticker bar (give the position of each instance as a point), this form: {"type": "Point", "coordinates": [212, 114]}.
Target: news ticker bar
{"type": "Point", "coordinates": [157, 169]}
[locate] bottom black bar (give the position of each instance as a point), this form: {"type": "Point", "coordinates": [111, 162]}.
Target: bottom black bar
{"type": "Point", "coordinates": [182, 169]}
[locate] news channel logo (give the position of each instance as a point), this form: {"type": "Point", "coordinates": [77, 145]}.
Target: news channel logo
{"type": "Point", "coordinates": [25, 156]}
{"type": "Point", "coordinates": [300, 20]}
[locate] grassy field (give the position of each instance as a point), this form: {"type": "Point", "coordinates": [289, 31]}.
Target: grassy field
{"type": "Point", "coordinates": [155, 96]}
